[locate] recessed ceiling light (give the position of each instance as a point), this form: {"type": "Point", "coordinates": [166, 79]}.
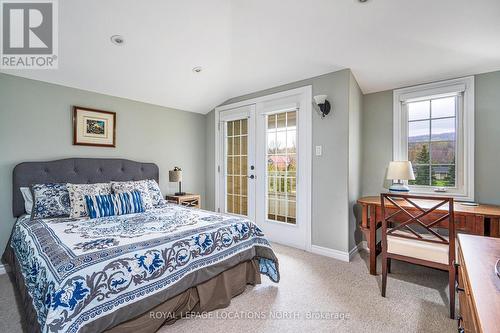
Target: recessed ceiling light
{"type": "Point", "coordinates": [117, 39]}
{"type": "Point", "coordinates": [197, 69]}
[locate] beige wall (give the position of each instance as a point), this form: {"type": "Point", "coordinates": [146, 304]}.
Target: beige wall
{"type": "Point", "coordinates": [35, 125]}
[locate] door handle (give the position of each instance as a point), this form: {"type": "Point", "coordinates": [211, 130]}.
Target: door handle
{"type": "Point", "coordinates": [251, 177]}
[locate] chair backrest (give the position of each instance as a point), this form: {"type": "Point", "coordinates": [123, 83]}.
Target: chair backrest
{"type": "Point", "coordinates": [401, 212]}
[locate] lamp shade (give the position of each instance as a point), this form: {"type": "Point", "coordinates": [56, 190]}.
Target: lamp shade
{"type": "Point", "coordinates": [175, 176]}
{"type": "Point", "coordinates": [400, 170]}
{"type": "Point", "coordinates": [320, 99]}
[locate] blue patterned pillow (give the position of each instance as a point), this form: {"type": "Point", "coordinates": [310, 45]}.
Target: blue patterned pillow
{"type": "Point", "coordinates": [50, 200]}
{"type": "Point", "coordinates": [114, 204]}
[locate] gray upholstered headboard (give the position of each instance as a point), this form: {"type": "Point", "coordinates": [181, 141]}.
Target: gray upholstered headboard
{"type": "Point", "coordinates": [78, 171]}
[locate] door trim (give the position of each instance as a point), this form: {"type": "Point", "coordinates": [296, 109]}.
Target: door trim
{"type": "Point", "coordinates": [306, 102]}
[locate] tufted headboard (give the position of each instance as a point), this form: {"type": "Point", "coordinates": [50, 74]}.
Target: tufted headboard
{"type": "Point", "coordinates": [78, 171]}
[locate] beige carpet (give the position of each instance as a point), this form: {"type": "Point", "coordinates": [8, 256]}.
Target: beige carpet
{"type": "Point", "coordinates": [316, 294]}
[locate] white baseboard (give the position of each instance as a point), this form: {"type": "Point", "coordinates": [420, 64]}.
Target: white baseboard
{"type": "Point", "coordinates": [353, 252]}
{"type": "Point", "coordinates": [362, 246]}
{"type": "Point", "coordinates": [327, 252]}
{"type": "Point", "coordinates": [4, 269]}
{"type": "Point", "coordinates": [339, 255]}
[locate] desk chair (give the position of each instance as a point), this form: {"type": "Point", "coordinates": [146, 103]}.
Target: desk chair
{"type": "Point", "coordinates": [421, 245]}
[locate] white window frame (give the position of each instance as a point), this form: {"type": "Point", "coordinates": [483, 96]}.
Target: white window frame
{"type": "Point", "coordinates": [465, 132]}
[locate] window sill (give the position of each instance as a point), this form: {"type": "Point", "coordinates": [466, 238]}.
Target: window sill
{"type": "Point", "coordinates": [454, 195]}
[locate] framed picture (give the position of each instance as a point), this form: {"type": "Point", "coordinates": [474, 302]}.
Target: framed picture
{"type": "Point", "coordinates": [94, 127]}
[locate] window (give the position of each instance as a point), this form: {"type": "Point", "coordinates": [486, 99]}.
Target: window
{"type": "Point", "coordinates": [237, 166]}
{"type": "Point", "coordinates": [434, 129]}
{"type": "Point", "coordinates": [281, 172]}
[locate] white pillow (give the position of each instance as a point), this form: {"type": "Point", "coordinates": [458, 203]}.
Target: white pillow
{"type": "Point", "coordinates": [155, 193]}
{"type": "Point", "coordinates": [130, 186]}
{"type": "Point", "coordinates": [77, 193]}
{"type": "Point", "coordinates": [28, 199]}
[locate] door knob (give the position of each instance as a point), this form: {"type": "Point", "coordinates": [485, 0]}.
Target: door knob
{"type": "Point", "coordinates": [251, 176]}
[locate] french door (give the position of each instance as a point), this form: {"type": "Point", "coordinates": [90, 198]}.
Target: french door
{"type": "Point", "coordinates": [264, 166]}
{"type": "Point", "coordinates": [237, 167]}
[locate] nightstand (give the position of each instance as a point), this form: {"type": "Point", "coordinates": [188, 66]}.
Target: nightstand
{"type": "Point", "coordinates": [188, 200]}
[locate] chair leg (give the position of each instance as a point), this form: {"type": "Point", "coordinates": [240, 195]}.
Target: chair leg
{"type": "Point", "coordinates": [389, 261]}
{"type": "Point", "coordinates": [452, 291]}
{"type": "Point", "coordinates": [384, 274]}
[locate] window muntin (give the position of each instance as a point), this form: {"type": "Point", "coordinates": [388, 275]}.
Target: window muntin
{"type": "Point", "coordinates": [281, 173]}
{"type": "Point", "coordinates": [237, 166]}
{"type": "Point", "coordinates": [432, 141]}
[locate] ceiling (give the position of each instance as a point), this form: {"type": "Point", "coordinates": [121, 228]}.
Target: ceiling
{"type": "Point", "coordinates": [245, 46]}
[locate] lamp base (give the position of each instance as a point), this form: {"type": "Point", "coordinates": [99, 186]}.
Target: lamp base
{"type": "Point", "coordinates": [180, 193]}
{"type": "Point", "coordinates": [399, 188]}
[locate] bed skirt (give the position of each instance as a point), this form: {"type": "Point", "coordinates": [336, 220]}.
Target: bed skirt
{"type": "Point", "coordinates": [212, 294]}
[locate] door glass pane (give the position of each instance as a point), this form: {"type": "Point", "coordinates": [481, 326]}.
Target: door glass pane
{"type": "Point", "coordinates": [281, 142]}
{"type": "Point", "coordinates": [281, 121]}
{"type": "Point", "coordinates": [236, 143]}
{"type": "Point", "coordinates": [244, 145]}
{"type": "Point", "coordinates": [236, 167]}
{"type": "Point", "coordinates": [243, 164]}
{"type": "Point", "coordinates": [281, 156]}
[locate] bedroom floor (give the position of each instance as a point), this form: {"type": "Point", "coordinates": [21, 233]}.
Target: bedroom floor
{"type": "Point", "coordinates": [416, 300]}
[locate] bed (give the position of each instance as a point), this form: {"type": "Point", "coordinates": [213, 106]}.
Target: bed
{"type": "Point", "coordinates": [128, 273]}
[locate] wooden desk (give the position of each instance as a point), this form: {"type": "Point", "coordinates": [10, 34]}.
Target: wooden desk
{"type": "Point", "coordinates": [482, 220]}
{"type": "Point", "coordinates": [478, 285]}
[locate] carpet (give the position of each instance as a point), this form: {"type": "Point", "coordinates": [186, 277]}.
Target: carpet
{"type": "Point", "coordinates": [315, 294]}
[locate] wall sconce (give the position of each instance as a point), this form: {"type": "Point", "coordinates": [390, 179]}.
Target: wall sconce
{"type": "Point", "coordinates": [323, 104]}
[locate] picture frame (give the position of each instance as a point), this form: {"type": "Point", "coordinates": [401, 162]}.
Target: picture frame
{"type": "Point", "coordinates": [92, 127]}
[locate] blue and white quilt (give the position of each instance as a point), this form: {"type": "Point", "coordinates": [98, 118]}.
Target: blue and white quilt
{"type": "Point", "coordinates": [79, 270]}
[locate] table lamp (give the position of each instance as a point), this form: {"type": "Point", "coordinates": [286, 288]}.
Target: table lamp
{"type": "Point", "coordinates": [175, 176]}
{"type": "Point", "coordinates": [398, 171]}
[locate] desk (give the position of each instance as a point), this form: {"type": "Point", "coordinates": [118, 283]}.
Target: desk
{"type": "Point", "coordinates": [478, 284]}
{"type": "Point", "coordinates": [482, 220]}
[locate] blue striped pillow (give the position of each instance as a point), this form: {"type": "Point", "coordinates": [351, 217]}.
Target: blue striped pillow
{"type": "Point", "coordinates": [114, 204]}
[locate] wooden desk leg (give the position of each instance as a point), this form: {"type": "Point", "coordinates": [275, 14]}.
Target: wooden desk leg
{"type": "Point", "coordinates": [372, 244]}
